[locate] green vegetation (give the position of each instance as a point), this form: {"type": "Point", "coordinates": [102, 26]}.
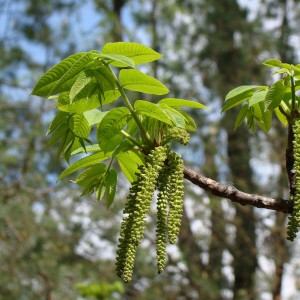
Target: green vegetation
{"type": "Point", "coordinates": [136, 135]}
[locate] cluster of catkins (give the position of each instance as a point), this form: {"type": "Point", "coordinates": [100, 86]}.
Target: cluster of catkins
{"type": "Point", "coordinates": [163, 170]}
{"type": "Point", "coordinates": [294, 218]}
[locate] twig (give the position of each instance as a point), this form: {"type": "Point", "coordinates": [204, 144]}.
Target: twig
{"type": "Point", "coordinates": [235, 195]}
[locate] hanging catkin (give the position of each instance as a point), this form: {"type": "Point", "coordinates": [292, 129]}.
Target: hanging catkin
{"type": "Point", "coordinates": [294, 218]}
{"type": "Point", "coordinates": [139, 201]}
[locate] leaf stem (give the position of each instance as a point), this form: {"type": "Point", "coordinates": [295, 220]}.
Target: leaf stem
{"type": "Point", "coordinates": [132, 139]}
{"type": "Point", "coordinates": [293, 94]}
{"type": "Point", "coordinates": [144, 133]}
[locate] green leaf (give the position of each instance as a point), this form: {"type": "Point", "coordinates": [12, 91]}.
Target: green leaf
{"type": "Point", "coordinates": [275, 95]}
{"type": "Point", "coordinates": [79, 126]}
{"type": "Point", "coordinates": [110, 96]}
{"type": "Point", "coordinates": [132, 127]}
{"type": "Point", "coordinates": [239, 95]}
{"type": "Point", "coordinates": [250, 119]}
{"type": "Point", "coordinates": [124, 146]}
{"type": "Point", "coordinates": [94, 116]}
{"type": "Point", "coordinates": [118, 60]}
{"type": "Point", "coordinates": [177, 118]}
{"type": "Point", "coordinates": [240, 117]}
{"type": "Point", "coordinates": [189, 122]}
{"type": "Point", "coordinates": [57, 121]}
{"type": "Point", "coordinates": [66, 143]}
{"type": "Point", "coordinates": [57, 134]}
{"type": "Point", "coordinates": [84, 162]}
{"type": "Point", "coordinates": [257, 97]}
{"type": "Point", "coordinates": [181, 102]}
{"type": "Point", "coordinates": [61, 77]}
{"type": "Point", "coordinates": [137, 52]}
{"type": "Point", "coordinates": [82, 80]}
{"type": "Point", "coordinates": [286, 107]}
{"type": "Point", "coordinates": [100, 189]}
{"type": "Point", "coordinates": [272, 62]}
{"type": "Point", "coordinates": [241, 90]}
{"type": "Point", "coordinates": [282, 71]}
{"type": "Point", "coordinates": [137, 156]}
{"type": "Point", "coordinates": [90, 148]}
{"type": "Point", "coordinates": [263, 117]}
{"type": "Point", "coordinates": [105, 78]}
{"type": "Point", "coordinates": [135, 80]}
{"type": "Point", "coordinates": [238, 99]}
{"type": "Point", "coordinates": [111, 184]}
{"type": "Point", "coordinates": [152, 110]}
{"type": "Point", "coordinates": [281, 117]}
{"type": "Point", "coordinates": [109, 130]}
{"type": "Point", "coordinates": [78, 106]}
{"type": "Point", "coordinates": [90, 174]}
{"type": "Point", "coordinates": [128, 165]}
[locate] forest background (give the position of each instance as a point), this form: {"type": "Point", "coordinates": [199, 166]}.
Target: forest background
{"type": "Point", "coordinates": [54, 244]}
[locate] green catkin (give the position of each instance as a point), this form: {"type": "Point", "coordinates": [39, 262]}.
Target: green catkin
{"type": "Point", "coordinates": [175, 195]}
{"type": "Point", "coordinates": [162, 218]}
{"type": "Point", "coordinates": [139, 202]}
{"type": "Point", "coordinates": [175, 134]}
{"type": "Point", "coordinates": [294, 218]}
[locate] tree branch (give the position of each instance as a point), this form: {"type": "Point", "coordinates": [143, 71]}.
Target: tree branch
{"type": "Point", "coordinates": [235, 195]}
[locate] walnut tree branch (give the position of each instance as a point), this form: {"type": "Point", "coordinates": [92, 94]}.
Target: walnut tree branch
{"type": "Point", "coordinates": [235, 195]}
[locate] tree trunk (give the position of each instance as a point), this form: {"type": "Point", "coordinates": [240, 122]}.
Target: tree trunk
{"type": "Point", "coordinates": [244, 250]}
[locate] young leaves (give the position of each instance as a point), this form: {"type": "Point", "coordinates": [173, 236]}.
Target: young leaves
{"type": "Point", "coordinates": [61, 77]}
{"type": "Point", "coordinates": [128, 164]}
{"type": "Point", "coordinates": [110, 187]}
{"type": "Point", "coordinates": [151, 110]}
{"type": "Point", "coordinates": [240, 95]}
{"type": "Point", "coordinates": [135, 80]}
{"type": "Point", "coordinates": [85, 162]}
{"type": "Point", "coordinates": [175, 102]}
{"type": "Point", "coordinates": [109, 130]}
{"type": "Point", "coordinates": [84, 82]}
{"type": "Point", "coordinates": [275, 94]}
{"type": "Point", "coordinates": [79, 126]}
{"type": "Point", "coordinates": [138, 53]}
{"type": "Point", "coordinates": [280, 97]}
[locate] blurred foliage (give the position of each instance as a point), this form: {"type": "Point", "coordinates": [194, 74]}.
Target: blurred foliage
{"type": "Point", "coordinates": [101, 291]}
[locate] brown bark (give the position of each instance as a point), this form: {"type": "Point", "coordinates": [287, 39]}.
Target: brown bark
{"type": "Point", "coordinates": [232, 193]}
